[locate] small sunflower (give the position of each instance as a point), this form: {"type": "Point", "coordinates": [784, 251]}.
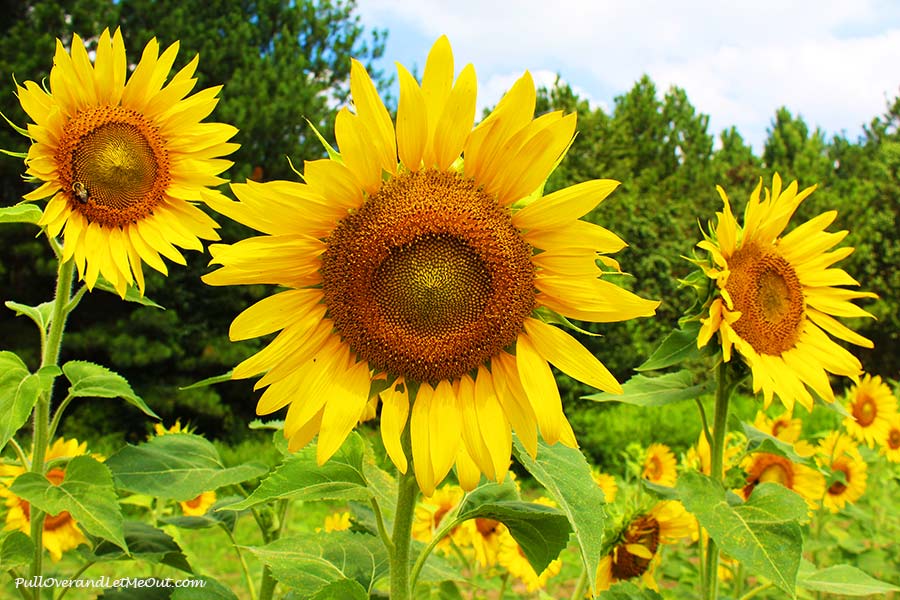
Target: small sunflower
{"type": "Point", "coordinates": [699, 458]}
{"type": "Point", "coordinates": [484, 536]}
{"type": "Point", "coordinates": [777, 297]}
{"type": "Point", "coordinates": [840, 455]}
{"type": "Point", "coordinates": [637, 551]}
{"type": "Point", "coordinates": [339, 521]}
{"type": "Point", "coordinates": [784, 426]}
{"type": "Point", "coordinates": [159, 429]}
{"type": "Point", "coordinates": [762, 467]}
{"type": "Point", "coordinates": [61, 531]}
{"type": "Point", "coordinates": [197, 507]}
{"type": "Point", "coordinates": [511, 557]}
{"type": "Point", "coordinates": [660, 465]}
{"type": "Point", "coordinates": [121, 161]}
{"type": "Point", "coordinates": [890, 444]}
{"type": "Point", "coordinates": [431, 511]}
{"type": "Point", "coordinates": [871, 405]}
{"type": "Point", "coordinates": [426, 253]}
{"type": "Point", "coordinates": [607, 483]}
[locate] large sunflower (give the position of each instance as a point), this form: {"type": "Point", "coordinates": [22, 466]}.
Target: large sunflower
{"type": "Point", "coordinates": [121, 161]}
{"type": "Point", "coordinates": [439, 271]}
{"type": "Point", "coordinates": [61, 531]}
{"type": "Point", "coordinates": [777, 297]}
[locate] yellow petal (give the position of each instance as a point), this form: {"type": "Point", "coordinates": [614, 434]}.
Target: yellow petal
{"type": "Point", "coordinates": [540, 386]}
{"type": "Point", "coordinates": [444, 436]}
{"type": "Point", "coordinates": [561, 208]}
{"type": "Point", "coordinates": [356, 150]}
{"type": "Point", "coordinates": [412, 121]}
{"type": "Point", "coordinates": [421, 444]}
{"type": "Point", "coordinates": [373, 116]}
{"type": "Point", "coordinates": [569, 356]}
{"type": "Point", "coordinates": [349, 394]}
{"type": "Point", "coordinates": [456, 121]}
{"type": "Point", "coordinates": [273, 313]}
{"type": "Point", "coordinates": [394, 413]}
{"type": "Point", "coordinates": [494, 426]}
{"type": "Point", "coordinates": [466, 471]}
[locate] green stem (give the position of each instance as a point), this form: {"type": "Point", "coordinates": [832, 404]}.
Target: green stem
{"type": "Point", "coordinates": [77, 574]}
{"type": "Point", "coordinates": [407, 491]}
{"type": "Point", "coordinates": [503, 583]}
{"type": "Point", "coordinates": [717, 452]}
{"type": "Point", "coordinates": [20, 454]}
{"type": "Point", "coordinates": [41, 415]}
{"type": "Point", "coordinates": [23, 591]}
{"type": "Point", "coordinates": [250, 587]}
{"type": "Point", "coordinates": [581, 586]}
{"type": "Point", "coordinates": [755, 591]}
{"type": "Point", "coordinates": [57, 415]}
{"type": "Point", "coordinates": [382, 530]}
{"type": "Point", "coordinates": [268, 581]}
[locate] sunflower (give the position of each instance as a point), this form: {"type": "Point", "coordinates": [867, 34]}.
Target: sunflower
{"type": "Point", "coordinates": [485, 536]}
{"type": "Point", "coordinates": [762, 467]}
{"type": "Point", "coordinates": [339, 521]}
{"type": "Point", "coordinates": [840, 455]}
{"type": "Point", "coordinates": [871, 405]}
{"type": "Point", "coordinates": [777, 297]}
{"type": "Point", "coordinates": [607, 483]}
{"type": "Point", "coordinates": [890, 444]}
{"type": "Point", "coordinates": [511, 557]}
{"type": "Point", "coordinates": [784, 426]}
{"type": "Point", "coordinates": [120, 161]}
{"type": "Point", "coordinates": [659, 465]}
{"type": "Point", "coordinates": [636, 553]}
{"type": "Point", "coordinates": [197, 507]}
{"type": "Point", "coordinates": [61, 531]}
{"type": "Point", "coordinates": [439, 271]}
{"type": "Point", "coordinates": [431, 511]}
{"type": "Point", "coordinates": [159, 429]}
{"type": "Point", "coordinates": [698, 457]}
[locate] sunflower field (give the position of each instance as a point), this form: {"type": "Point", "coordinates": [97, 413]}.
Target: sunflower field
{"type": "Point", "coordinates": [275, 331]}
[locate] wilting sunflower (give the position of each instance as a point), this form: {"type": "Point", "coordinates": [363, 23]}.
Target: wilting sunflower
{"type": "Point", "coordinates": [61, 531]}
{"type": "Point", "coordinates": [871, 405]}
{"type": "Point", "coordinates": [778, 297]}
{"type": "Point", "coordinates": [511, 557]}
{"type": "Point", "coordinates": [440, 272]}
{"type": "Point", "coordinates": [784, 426]}
{"type": "Point", "coordinates": [762, 467]}
{"type": "Point", "coordinates": [607, 483]}
{"type": "Point", "coordinates": [637, 551]}
{"type": "Point", "coordinates": [890, 445]}
{"type": "Point", "coordinates": [121, 161]}
{"type": "Point", "coordinates": [840, 455]}
{"type": "Point", "coordinates": [660, 465]}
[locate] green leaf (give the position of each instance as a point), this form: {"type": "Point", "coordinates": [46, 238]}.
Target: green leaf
{"type": "Point", "coordinates": [445, 590]}
{"type": "Point", "coordinates": [144, 543]}
{"type": "Point", "coordinates": [762, 533]}
{"type": "Point", "coordinates": [343, 589]}
{"type": "Point", "coordinates": [625, 590]}
{"type": "Point", "coordinates": [132, 294]}
{"type": "Point", "coordinates": [138, 588]}
{"type": "Point", "coordinates": [19, 391]}
{"type": "Point", "coordinates": [16, 550]}
{"type": "Point", "coordinates": [656, 391]}
{"type": "Point", "coordinates": [309, 563]}
{"type": "Point", "coordinates": [213, 518]}
{"type": "Point", "coordinates": [208, 381]}
{"type": "Point", "coordinates": [844, 580]}
{"type": "Point", "coordinates": [179, 466]}
{"type": "Point", "coordinates": [40, 314]}
{"type": "Point", "coordinates": [677, 347]}
{"type": "Point", "coordinates": [21, 213]}
{"type": "Point", "coordinates": [300, 477]}
{"type": "Point", "coordinates": [86, 492]}
{"type": "Point", "coordinates": [542, 532]}
{"type": "Point", "coordinates": [760, 441]}
{"type": "Point", "coordinates": [89, 380]}
{"type": "Point", "coordinates": [211, 590]}
{"type": "Point", "coordinates": [565, 473]}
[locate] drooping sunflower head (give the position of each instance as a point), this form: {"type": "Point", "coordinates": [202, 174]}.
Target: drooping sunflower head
{"type": "Point", "coordinates": [425, 253]}
{"type": "Point", "coordinates": [121, 160]}
{"type": "Point", "coordinates": [871, 405]}
{"type": "Point", "coordinates": [762, 467]}
{"type": "Point", "coordinates": [61, 531]}
{"type": "Point", "coordinates": [838, 454]}
{"type": "Point", "coordinates": [660, 465]}
{"type": "Point", "coordinates": [777, 296]}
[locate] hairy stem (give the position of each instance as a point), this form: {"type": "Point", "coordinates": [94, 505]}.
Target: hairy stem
{"type": "Point", "coordinates": [407, 491]}
{"type": "Point", "coordinates": [717, 452]}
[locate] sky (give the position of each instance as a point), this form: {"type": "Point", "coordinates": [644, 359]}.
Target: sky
{"type": "Point", "coordinates": [836, 64]}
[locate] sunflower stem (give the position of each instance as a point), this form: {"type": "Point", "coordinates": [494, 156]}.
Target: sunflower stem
{"type": "Point", "coordinates": [407, 491]}
{"type": "Point", "coordinates": [724, 387]}
{"type": "Point", "coordinates": [41, 415]}
{"type": "Point", "coordinates": [581, 586]}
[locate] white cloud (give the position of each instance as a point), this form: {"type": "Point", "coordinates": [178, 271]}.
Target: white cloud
{"type": "Point", "coordinates": [833, 62]}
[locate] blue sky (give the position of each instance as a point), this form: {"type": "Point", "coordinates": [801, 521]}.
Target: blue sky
{"type": "Point", "coordinates": [837, 64]}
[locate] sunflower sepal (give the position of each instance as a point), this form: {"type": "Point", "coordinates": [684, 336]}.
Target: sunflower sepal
{"type": "Point", "coordinates": [132, 293]}
{"type": "Point", "coordinates": [676, 348]}
{"type": "Point", "coordinates": [551, 317]}
{"type": "Point", "coordinates": [23, 212]}
{"type": "Point", "coordinates": [642, 390]}
{"type": "Point", "coordinates": [332, 153]}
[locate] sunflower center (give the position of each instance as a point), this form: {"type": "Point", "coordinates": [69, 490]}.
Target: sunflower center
{"type": "Point", "coordinates": [839, 487]}
{"type": "Point", "coordinates": [654, 469]}
{"type": "Point", "coordinates": [893, 439]}
{"type": "Point", "coordinates": [643, 531]}
{"type": "Point", "coordinates": [769, 468]}
{"type": "Point", "coordinates": [113, 165]}
{"type": "Point", "coordinates": [766, 290]}
{"type": "Point", "coordinates": [865, 410]}
{"type": "Point", "coordinates": [429, 279]}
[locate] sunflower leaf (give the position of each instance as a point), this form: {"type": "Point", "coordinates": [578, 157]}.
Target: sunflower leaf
{"type": "Point", "coordinates": [144, 543]}
{"type": "Point", "coordinates": [762, 533]}
{"type": "Point", "coordinates": [91, 380]}
{"type": "Point", "coordinates": [132, 294]}
{"type": "Point", "coordinates": [16, 550]}
{"type": "Point", "coordinates": [209, 381]}
{"type": "Point", "coordinates": [677, 347]}
{"type": "Point", "coordinates": [21, 213]}
{"type": "Point", "coordinates": [625, 590]}
{"type": "Point", "coordinates": [179, 466]}
{"type": "Point", "coordinates": [40, 314]}
{"type": "Point", "coordinates": [210, 590]}
{"type": "Point", "coordinates": [641, 390]}
{"type": "Point", "coordinates": [760, 441]}
{"type": "Point", "coordinates": [565, 473]}
{"type": "Point", "coordinates": [86, 493]}
{"type": "Point", "coordinates": [842, 579]}
{"type": "Point", "coordinates": [300, 477]}
{"type": "Point", "coordinates": [19, 390]}
{"type": "Point", "coordinates": [310, 564]}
